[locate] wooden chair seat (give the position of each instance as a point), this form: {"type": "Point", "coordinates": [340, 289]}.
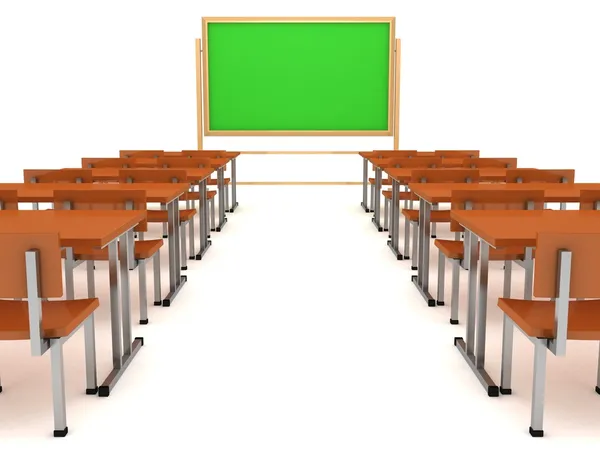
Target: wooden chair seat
{"type": "Point", "coordinates": [402, 195]}
{"type": "Point", "coordinates": [437, 216]}
{"type": "Point", "coordinates": [453, 249]}
{"type": "Point", "coordinates": [536, 318]}
{"type": "Point", "coordinates": [196, 195]}
{"type": "Point", "coordinates": [213, 181]}
{"type": "Point", "coordinates": [59, 317]}
{"type": "Point", "coordinates": [141, 250]}
{"type": "Point", "coordinates": [160, 216]}
{"type": "Point", "coordinates": [384, 181]}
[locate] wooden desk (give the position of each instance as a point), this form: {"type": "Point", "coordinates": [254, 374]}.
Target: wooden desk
{"type": "Point", "coordinates": [434, 193]}
{"type": "Point", "coordinates": [97, 229]}
{"type": "Point", "coordinates": [166, 194]}
{"type": "Point", "coordinates": [505, 229]}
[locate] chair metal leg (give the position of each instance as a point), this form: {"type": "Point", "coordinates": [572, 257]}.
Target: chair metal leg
{"type": "Point", "coordinates": [157, 284]}
{"type": "Point", "coordinates": [192, 233]}
{"type": "Point", "coordinates": [507, 352]}
{"type": "Point", "coordinates": [406, 238]}
{"type": "Point", "coordinates": [226, 192]}
{"type": "Point", "coordinates": [372, 204]}
{"type": "Point", "coordinates": [539, 387]}
{"type": "Point", "coordinates": [91, 372]}
{"type": "Point", "coordinates": [415, 229]}
{"type": "Point", "coordinates": [212, 214]}
{"type": "Point", "coordinates": [454, 296]}
{"type": "Point", "coordinates": [164, 225]}
{"type": "Point", "coordinates": [183, 245]}
{"type": "Point", "coordinates": [507, 279]}
{"type": "Point", "coordinates": [143, 292]}
{"type": "Point", "coordinates": [58, 388]}
{"type": "Point", "coordinates": [386, 214]}
{"type": "Point", "coordinates": [441, 281]}
{"type": "Point", "coordinates": [91, 280]}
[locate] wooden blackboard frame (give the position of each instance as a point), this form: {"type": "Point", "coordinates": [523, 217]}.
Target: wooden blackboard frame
{"type": "Point", "coordinates": [202, 80]}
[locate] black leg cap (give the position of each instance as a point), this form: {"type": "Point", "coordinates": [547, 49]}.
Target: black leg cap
{"type": "Point", "coordinates": [430, 302]}
{"type": "Point", "coordinates": [103, 391]}
{"type": "Point", "coordinates": [143, 321]}
{"type": "Point", "coordinates": [457, 339]}
{"type": "Point", "coordinates": [433, 236]}
{"type": "Point", "coordinates": [407, 257]}
{"type": "Point", "coordinates": [165, 236]}
{"type": "Point", "coordinates": [0, 388]}
{"type": "Point", "coordinates": [399, 257]}
{"type": "Point", "coordinates": [193, 258]}
{"type": "Point", "coordinates": [141, 339]}
{"type": "Point", "coordinates": [453, 321]}
{"type": "Point", "coordinates": [184, 268]}
{"type": "Point", "coordinates": [536, 433]}
{"type": "Point", "coordinates": [493, 391]}
{"type": "Point", "coordinates": [166, 302]}
{"type": "Point", "coordinates": [414, 268]}
{"type": "Point", "coordinates": [439, 303]}
{"type": "Point", "coordinates": [505, 391]}
{"type": "Point", "coordinates": [380, 229]}
{"type": "Point", "coordinates": [158, 303]}
{"type": "Point", "coordinates": [91, 391]}
{"type": "Point", "coordinates": [61, 433]}
{"type": "Point", "coordinates": [597, 390]}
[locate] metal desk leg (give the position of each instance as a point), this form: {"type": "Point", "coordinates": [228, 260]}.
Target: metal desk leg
{"type": "Point", "coordinates": [203, 219]}
{"type": "Point", "coordinates": [377, 200]}
{"type": "Point", "coordinates": [473, 350]}
{"type": "Point", "coordinates": [176, 280]}
{"type": "Point", "coordinates": [221, 194]}
{"type": "Point", "coordinates": [234, 203]}
{"type": "Point", "coordinates": [395, 221]}
{"type": "Point", "coordinates": [123, 349]}
{"type": "Point", "coordinates": [421, 280]}
{"type": "Point", "coordinates": [364, 202]}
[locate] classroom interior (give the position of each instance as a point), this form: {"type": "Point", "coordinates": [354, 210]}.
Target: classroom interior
{"type": "Point", "coordinates": [299, 328]}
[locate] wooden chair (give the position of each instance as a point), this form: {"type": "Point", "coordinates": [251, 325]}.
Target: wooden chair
{"type": "Point", "coordinates": [411, 216]}
{"type": "Point", "coordinates": [420, 162]}
{"type": "Point", "coordinates": [454, 250]}
{"type": "Point", "coordinates": [193, 196]}
{"type": "Point", "coordinates": [66, 176]}
{"type": "Point", "coordinates": [141, 153]}
{"type": "Point", "coordinates": [457, 153]}
{"type": "Point", "coordinates": [9, 199]}
{"type": "Point", "coordinates": [540, 176]}
{"type": "Point", "coordinates": [143, 250]}
{"type": "Point", "coordinates": [186, 216]}
{"type": "Point", "coordinates": [488, 163]}
{"type": "Point", "coordinates": [30, 268]}
{"type": "Point", "coordinates": [565, 269]}
{"type": "Point", "coordinates": [106, 163]}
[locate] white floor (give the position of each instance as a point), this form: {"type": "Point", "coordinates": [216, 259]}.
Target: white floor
{"type": "Point", "coordinates": [299, 331]}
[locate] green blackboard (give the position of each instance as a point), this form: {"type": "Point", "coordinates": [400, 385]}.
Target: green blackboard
{"type": "Point", "coordinates": [298, 76]}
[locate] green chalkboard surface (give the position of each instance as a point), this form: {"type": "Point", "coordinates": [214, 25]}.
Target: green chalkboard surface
{"type": "Point", "coordinates": [298, 77]}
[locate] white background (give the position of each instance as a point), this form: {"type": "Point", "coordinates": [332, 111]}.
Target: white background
{"type": "Point", "coordinates": [511, 78]}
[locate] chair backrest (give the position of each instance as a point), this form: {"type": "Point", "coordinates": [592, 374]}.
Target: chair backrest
{"type": "Point", "coordinates": [419, 162]}
{"type": "Point", "coordinates": [566, 268]}
{"type": "Point", "coordinates": [589, 199]}
{"type": "Point", "coordinates": [30, 175]}
{"type": "Point", "coordinates": [202, 153]}
{"type": "Point", "coordinates": [9, 199]}
{"type": "Point", "coordinates": [14, 268]}
{"type": "Point", "coordinates": [141, 153]}
{"type": "Point", "coordinates": [481, 163]}
{"type": "Point", "coordinates": [102, 199]}
{"type": "Point", "coordinates": [457, 153]}
{"type": "Point", "coordinates": [540, 176]}
{"type": "Point", "coordinates": [491, 199]}
{"type": "Point", "coordinates": [153, 175]}
{"type": "Point", "coordinates": [445, 176]}
{"type": "Point", "coordinates": [107, 163]}
{"type": "Point", "coordinates": [66, 176]}
{"type": "Point", "coordinates": [189, 163]}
